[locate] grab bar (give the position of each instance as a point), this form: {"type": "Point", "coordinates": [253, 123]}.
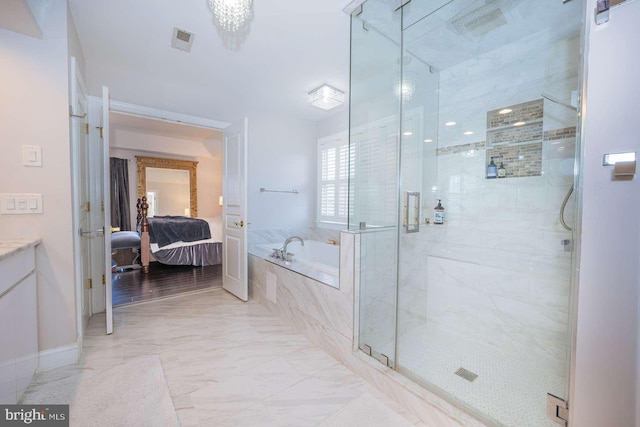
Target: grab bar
{"type": "Point", "coordinates": [264, 190]}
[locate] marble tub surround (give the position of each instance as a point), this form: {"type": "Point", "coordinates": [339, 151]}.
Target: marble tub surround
{"type": "Point", "coordinates": [230, 363]}
{"type": "Point", "coordinates": [10, 247]}
{"type": "Point", "coordinates": [321, 274]}
{"type": "Point", "coordinates": [261, 237]}
{"type": "Point", "coordinates": [295, 293]}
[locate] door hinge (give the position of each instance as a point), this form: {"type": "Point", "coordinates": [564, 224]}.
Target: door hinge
{"type": "Point", "coordinates": [104, 279]}
{"type": "Point", "coordinates": [557, 410]}
{"type": "Point", "coordinates": [87, 207]}
{"type": "Point", "coordinates": [90, 284]}
{"type": "Point", "coordinates": [86, 128]}
{"type": "Point", "coordinates": [101, 131]}
{"type": "Point", "coordinates": [102, 207]}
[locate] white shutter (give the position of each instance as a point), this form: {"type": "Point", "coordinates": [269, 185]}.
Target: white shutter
{"type": "Point", "coordinates": [333, 178]}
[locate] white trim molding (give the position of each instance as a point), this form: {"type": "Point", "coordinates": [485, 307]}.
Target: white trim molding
{"type": "Point", "coordinates": [167, 116]}
{"type": "Point", "coordinates": [58, 357]}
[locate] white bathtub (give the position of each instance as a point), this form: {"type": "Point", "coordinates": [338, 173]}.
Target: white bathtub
{"type": "Point", "coordinates": [315, 259]}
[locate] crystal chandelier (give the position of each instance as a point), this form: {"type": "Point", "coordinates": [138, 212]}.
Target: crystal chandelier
{"type": "Point", "coordinates": [231, 14]}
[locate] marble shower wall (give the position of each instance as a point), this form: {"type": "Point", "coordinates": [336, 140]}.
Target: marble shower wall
{"type": "Point", "coordinates": [496, 273]}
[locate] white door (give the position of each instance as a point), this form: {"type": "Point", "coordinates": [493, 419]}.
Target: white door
{"type": "Point", "coordinates": [106, 203]}
{"type": "Point", "coordinates": [234, 211]}
{"type": "Point", "coordinates": [81, 197]}
{"type": "Point", "coordinates": [99, 229]}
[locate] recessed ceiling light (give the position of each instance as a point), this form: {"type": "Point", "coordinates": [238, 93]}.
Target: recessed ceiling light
{"type": "Point", "coordinates": [428, 140]}
{"type": "Point", "coordinates": [407, 133]}
{"type": "Point", "coordinates": [468, 132]}
{"type": "Point", "coordinates": [519, 123]}
{"type": "Point", "coordinates": [505, 111]}
{"type": "Point", "coordinates": [450, 124]}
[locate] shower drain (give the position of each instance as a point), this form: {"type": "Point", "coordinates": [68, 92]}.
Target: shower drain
{"type": "Point", "coordinates": [466, 374]}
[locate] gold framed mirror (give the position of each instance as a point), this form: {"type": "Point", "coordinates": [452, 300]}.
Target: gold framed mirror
{"type": "Point", "coordinates": [179, 180]}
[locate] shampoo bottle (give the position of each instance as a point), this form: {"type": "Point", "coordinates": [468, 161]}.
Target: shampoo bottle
{"type": "Point", "coordinates": [492, 170]}
{"type": "Point", "coordinates": [438, 217]}
{"type": "Point", "coordinates": [502, 172]}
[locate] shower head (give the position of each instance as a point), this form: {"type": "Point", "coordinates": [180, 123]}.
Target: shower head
{"type": "Point", "coordinates": [557, 101]}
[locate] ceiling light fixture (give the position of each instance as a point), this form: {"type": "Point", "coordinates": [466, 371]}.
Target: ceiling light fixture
{"type": "Point", "coordinates": [326, 97]}
{"type": "Point", "coordinates": [505, 111]}
{"type": "Point", "coordinates": [520, 123]}
{"type": "Point", "coordinates": [231, 14]}
{"type": "Point", "coordinates": [468, 132]}
{"type": "Point", "coordinates": [428, 140]}
{"type": "Point", "coordinates": [450, 124]}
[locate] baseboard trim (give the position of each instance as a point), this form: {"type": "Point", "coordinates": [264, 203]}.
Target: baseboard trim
{"type": "Point", "coordinates": [58, 357]}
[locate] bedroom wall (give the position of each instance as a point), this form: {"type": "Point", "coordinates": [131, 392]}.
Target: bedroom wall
{"type": "Point", "coordinates": [209, 178]}
{"type": "Point", "coordinates": [34, 111]}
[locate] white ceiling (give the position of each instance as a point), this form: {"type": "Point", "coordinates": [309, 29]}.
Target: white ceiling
{"type": "Point", "coordinates": [289, 49]}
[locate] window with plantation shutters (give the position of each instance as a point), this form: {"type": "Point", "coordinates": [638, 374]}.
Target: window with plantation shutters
{"type": "Point", "coordinates": [333, 178]}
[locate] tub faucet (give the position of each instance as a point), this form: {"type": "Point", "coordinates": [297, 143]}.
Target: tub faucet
{"type": "Point", "coordinates": [285, 254]}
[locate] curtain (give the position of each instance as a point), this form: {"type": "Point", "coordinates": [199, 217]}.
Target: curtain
{"type": "Point", "coordinates": [120, 201]}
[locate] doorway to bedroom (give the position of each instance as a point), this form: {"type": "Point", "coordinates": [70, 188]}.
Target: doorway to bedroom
{"type": "Point", "coordinates": [147, 156]}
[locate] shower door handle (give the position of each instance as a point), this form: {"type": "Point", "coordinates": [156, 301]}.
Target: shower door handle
{"type": "Point", "coordinates": [412, 212]}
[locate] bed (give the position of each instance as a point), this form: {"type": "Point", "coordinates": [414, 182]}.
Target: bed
{"type": "Point", "coordinates": [176, 240]}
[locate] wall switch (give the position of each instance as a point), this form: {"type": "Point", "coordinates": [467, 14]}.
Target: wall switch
{"type": "Point", "coordinates": [15, 204]}
{"type": "Point", "coordinates": [32, 155]}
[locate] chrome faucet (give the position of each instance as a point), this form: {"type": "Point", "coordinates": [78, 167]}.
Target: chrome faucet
{"type": "Point", "coordinates": [286, 255]}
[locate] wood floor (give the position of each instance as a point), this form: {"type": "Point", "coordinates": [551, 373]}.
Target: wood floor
{"type": "Point", "coordinates": [163, 281]}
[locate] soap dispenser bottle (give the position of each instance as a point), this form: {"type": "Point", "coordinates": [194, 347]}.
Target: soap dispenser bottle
{"type": "Point", "coordinates": [438, 217]}
{"type": "Point", "coordinates": [492, 170]}
{"type": "Point", "coordinates": [502, 172]}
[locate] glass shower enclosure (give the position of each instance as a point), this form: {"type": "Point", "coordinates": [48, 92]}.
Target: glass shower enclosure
{"type": "Point", "coordinates": [473, 106]}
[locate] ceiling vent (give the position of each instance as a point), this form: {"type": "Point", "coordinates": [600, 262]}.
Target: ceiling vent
{"type": "Point", "coordinates": [182, 39]}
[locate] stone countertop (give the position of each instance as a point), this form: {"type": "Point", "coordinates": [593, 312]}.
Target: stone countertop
{"type": "Point", "coordinates": [10, 247]}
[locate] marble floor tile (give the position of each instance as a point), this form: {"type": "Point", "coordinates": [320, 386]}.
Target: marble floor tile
{"type": "Point", "coordinates": [229, 363]}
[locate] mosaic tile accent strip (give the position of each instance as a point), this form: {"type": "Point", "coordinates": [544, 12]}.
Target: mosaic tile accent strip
{"type": "Point", "coordinates": [519, 160]}
{"type": "Point", "coordinates": [555, 134]}
{"type": "Point", "coordinates": [524, 134]}
{"type": "Point", "coordinates": [454, 149]}
{"type": "Point", "coordinates": [522, 124]}
{"type": "Point", "coordinates": [525, 112]}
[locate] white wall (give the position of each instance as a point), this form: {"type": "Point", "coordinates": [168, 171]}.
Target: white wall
{"type": "Point", "coordinates": [607, 332]}
{"type": "Point", "coordinates": [335, 123]}
{"type": "Point", "coordinates": [282, 156]}
{"type": "Point", "coordinates": [34, 111]}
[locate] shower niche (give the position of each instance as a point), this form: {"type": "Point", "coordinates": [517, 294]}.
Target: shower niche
{"type": "Point", "coordinates": [476, 309]}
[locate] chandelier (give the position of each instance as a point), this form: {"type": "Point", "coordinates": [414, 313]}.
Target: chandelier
{"type": "Point", "coordinates": [231, 14]}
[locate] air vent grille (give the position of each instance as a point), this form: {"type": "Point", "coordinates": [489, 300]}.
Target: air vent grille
{"type": "Point", "coordinates": [184, 36]}
{"type": "Point", "coordinates": [182, 39]}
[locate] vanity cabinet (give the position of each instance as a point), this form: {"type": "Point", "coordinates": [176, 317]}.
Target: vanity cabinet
{"type": "Point", "coordinates": [18, 318]}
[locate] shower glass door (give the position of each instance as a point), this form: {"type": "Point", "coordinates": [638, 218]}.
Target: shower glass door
{"type": "Point", "coordinates": [470, 106]}
{"type": "Point", "coordinates": [373, 183]}
{"type": "Point", "coordinates": [488, 128]}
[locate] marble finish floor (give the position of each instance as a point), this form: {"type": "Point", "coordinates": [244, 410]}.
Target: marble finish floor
{"type": "Point", "coordinates": [229, 363]}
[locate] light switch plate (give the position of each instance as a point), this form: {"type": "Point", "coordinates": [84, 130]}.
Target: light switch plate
{"type": "Point", "coordinates": [16, 204]}
{"type": "Point", "coordinates": [32, 155]}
